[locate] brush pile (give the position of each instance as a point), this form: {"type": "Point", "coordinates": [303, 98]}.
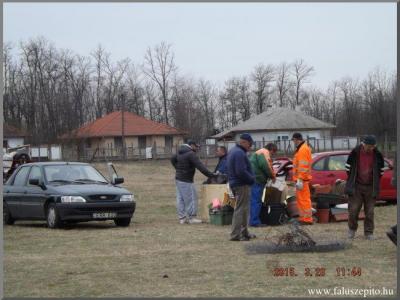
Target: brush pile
{"type": "Point", "coordinates": [295, 239]}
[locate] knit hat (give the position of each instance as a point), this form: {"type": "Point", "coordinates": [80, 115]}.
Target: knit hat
{"type": "Point", "coordinates": [369, 140]}
{"type": "Point", "coordinates": [192, 142]}
{"type": "Point", "coordinates": [247, 137]}
{"type": "Point", "coordinates": [297, 136]}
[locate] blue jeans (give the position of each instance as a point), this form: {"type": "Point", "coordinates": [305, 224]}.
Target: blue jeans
{"type": "Point", "coordinates": [186, 199]}
{"type": "Point", "coordinates": [255, 204]}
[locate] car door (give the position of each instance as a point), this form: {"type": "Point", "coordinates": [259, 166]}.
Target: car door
{"type": "Point", "coordinates": [387, 191]}
{"type": "Point", "coordinates": [14, 192]}
{"type": "Point", "coordinates": [336, 168]}
{"type": "Point", "coordinates": [34, 197]}
{"type": "Point", "coordinates": [318, 170]}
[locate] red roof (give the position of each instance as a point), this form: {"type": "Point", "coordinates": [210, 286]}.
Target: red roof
{"type": "Point", "coordinates": [135, 125]}
{"type": "Point", "coordinates": [11, 131]}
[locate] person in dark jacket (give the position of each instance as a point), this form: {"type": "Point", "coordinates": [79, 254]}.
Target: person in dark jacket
{"type": "Point", "coordinates": [185, 163]}
{"type": "Point", "coordinates": [241, 177]}
{"type": "Point", "coordinates": [221, 167]}
{"type": "Point", "coordinates": [392, 233]}
{"type": "Point", "coordinates": [364, 168]}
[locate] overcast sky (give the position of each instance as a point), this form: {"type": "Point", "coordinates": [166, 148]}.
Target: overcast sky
{"type": "Point", "coordinates": [218, 40]}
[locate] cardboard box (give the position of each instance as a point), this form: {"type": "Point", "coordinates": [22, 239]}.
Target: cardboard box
{"type": "Point", "coordinates": [207, 193]}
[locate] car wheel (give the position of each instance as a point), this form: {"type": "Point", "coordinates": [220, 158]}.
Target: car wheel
{"type": "Point", "coordinates": [122, 222]}
{"type": "Point", "coordinates": [7, 218]}
{"type": "Point", "coordinates": [52, 217]}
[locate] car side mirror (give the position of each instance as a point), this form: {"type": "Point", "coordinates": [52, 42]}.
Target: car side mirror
{"type": "Point", "coordinates": [38, 182]}
{"type": "Point", "coordinates": [118, 180]}
{"type": "Point", "coordinates": [34, 181]}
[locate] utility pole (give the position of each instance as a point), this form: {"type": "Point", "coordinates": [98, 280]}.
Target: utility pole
{"type": "Point", "coordinates": [123, 126]}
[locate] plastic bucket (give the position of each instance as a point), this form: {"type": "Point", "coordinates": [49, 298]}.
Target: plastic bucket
{"type": "Point", "coordinates": [323, 215]}
{"type": "Point", "coordinates": [292, 208]}
{"type": "Point", "coordinates": [276, 214]}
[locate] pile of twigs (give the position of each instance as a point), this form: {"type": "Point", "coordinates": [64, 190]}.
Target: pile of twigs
{"type": "Point", "coordinates": [296, 239]}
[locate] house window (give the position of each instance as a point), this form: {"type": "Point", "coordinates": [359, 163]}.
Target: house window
{"type": "Point", "coordinates": [168, 141]}
{"type": "Point", "coordinates": [118, 142]}
{"type": "Point", "coordinates": [142, 142]}
{"type": "Point", "coordinates": [283, 137]}
{"type": "Point", "coordinates": [88, 143]}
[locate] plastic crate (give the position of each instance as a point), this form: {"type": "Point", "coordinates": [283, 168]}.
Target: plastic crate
{"type": "Point", "coordinates": [221, 217]}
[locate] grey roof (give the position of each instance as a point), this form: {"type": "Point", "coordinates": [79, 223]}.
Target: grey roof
{"type": "Point", "coordinates": [278, 119]}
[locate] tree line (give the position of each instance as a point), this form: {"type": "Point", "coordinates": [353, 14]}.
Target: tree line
{"type": "Point", "coordinates": [50, 91]}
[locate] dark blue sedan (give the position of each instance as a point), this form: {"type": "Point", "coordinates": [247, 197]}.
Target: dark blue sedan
{"type": "Point", "coordinates": [65, 192]}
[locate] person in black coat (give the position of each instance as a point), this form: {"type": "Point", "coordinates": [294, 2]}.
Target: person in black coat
{"type": "Point", "coordinates": [364, 168]}
{"type": "Point", "coordinates": [185, 163]}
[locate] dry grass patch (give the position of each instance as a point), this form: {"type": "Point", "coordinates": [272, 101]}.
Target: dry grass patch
{"type": "Point", "coordinates": [156, 256]}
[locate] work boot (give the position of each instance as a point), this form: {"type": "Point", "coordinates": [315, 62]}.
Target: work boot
{"type": "Point", "coordinates": [250, 236]}
{"type": "Point", "coordinates": [195, 221]}
{"type": "Point", "coordinates": [392, 237]}
{"type": "Point", "coordinates": [351, 234]}
{"type": "Point", "coordinates": [242, 239]}
{"type": "Point", "coordinates": [369, 237]}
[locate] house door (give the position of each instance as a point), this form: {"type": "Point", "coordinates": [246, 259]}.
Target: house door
{"type": "Point", "coordinates": [168, 143]}
{"type": "Point", "coordinates": [142, 142]}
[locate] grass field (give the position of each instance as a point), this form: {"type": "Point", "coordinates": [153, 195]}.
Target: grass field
{"type": "Point", "coordinates": [156, 256]}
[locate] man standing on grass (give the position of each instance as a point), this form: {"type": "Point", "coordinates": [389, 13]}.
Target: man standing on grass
{"type": "Point", "coordinates": [302, 177]}
{"type": "Point", "coordinates": [392, 233]}
{"type": "Point", "coordinates": [241, 177]}
{"type": "Point", "coordinates": [364, 168]}
{"type": "Point", "coordinates": [185, 163]}
{"type": "Point", "coordinates": [261, 163]}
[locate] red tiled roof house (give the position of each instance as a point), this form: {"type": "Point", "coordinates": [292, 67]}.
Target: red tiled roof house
{"type": "Point", "coordinates": [105, 134]}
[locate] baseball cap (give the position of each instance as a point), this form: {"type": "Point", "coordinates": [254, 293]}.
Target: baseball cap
{"type": "Point", "coordinates": [297, 136]}
{"type": "Point", "coordinates": [192, 142]}
{"type": "Point", "coordinates": [369, 140]}
{"type": "Point", "coordinates": [247, 137]}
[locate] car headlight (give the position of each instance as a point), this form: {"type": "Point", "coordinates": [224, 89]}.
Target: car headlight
{"type": "Point", "coordinates": [127, 198]}
{"type": "Point", "coordinates": [72, 199]}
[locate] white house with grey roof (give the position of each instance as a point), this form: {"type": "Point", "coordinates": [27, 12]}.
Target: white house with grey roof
{"type": "Point", "coordinates": [278, 125]}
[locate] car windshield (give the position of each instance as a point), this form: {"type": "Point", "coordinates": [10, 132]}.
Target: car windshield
{"type": "Point", "coordinates": [73, 174]}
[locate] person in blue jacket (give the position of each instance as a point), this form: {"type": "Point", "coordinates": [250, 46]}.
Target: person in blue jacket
{"type": "Point", "coordinates": [221, 167]}
{"type": "Point", "coordinates": [241, 178]}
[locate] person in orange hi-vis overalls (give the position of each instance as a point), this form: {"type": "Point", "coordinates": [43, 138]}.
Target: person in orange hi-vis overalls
{"type": "Point", "coordinates": [302, 177]}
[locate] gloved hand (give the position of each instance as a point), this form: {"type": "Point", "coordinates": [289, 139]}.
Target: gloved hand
{"type": "Point", "coordinates": [299, 184]}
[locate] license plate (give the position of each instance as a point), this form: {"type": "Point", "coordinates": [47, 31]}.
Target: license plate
{"type": "Point", "coordinates": [104, 215]}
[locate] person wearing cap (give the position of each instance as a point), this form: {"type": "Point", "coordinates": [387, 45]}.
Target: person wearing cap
{"type": "Point", "coordinates": [240, 177]}
{"type": "Point", "coordinates": [302, 176]}
{"type": "Point", "coordinates": [364, 169]}
{"type": "Point", "coordinates": [261, 163]}
{"type": "Point", "coordinates": [185, 163]}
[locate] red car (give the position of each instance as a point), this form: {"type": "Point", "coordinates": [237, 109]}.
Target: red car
{"type": "Point", "coordinates": [326, 167]}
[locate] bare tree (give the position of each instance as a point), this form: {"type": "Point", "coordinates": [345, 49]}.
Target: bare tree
{"type": "Point", "coordinates": [99, 56]}
{"type": "Point", "coordinates": [151, 100]}
{"type": "Point", "coordinates": [301, 73]}
{"type": "Point", "coordinates": [205, 95]}
{"type": "Point", "coordinates": [283, 82]}
{"type": "Point", "coordinates": [159, 66]}
{"type": "Point", "coordinates": [262, 76]}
